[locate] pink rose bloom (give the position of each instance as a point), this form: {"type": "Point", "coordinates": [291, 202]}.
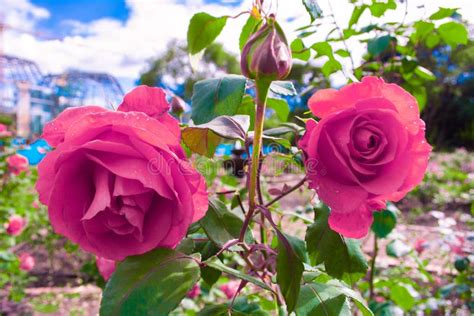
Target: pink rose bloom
{"type": "Point", "coordinates": [368, 148]}
{"type": "Point", "coordinates": [4, 132]}
{"type": "Point", "coordinates": [106, 267]}
{"type": "Point", "coordinates": [118, 182]}
{"type": "Point", "coordinates": [27, 262]}
{"type": "Point", "coordinates": [195, 292]}
{"type": "Point", "coordinates": [17, 164]}
{"type": "Point", "coordinates": [15, 225]}
{"type": "Point", "coordinates": [230, 288]}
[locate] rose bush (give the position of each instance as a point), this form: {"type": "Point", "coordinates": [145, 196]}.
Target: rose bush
{"type": "Point", "coordinates": [368, 148]}
{"type": "Point", "coordinates": [118, 182]}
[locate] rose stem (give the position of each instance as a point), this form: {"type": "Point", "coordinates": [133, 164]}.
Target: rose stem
{"type": "Point", "coordinates": [372, 268]}
{"type": "Point", "coordinates": [262, 86]}
{"type": "Point", "coordinates": [296, 186]}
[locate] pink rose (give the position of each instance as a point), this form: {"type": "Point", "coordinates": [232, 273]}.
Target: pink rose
{"type": "Point", "coordinates": [4, 132]}
{"type": "Point", "coordinates": [106, 267]}
{"type": "Point", "coordinates": [15, 225]}
{"type": "Point", "coordinates": [17, 164]}
{"type": "Point", "coordinates": [368, 148]}
{"type": "Point", "coordinates": [118, 182]}
{"type": "Point", "coordinates": [27, 262]}
{"type": "Point", "coordinates": [230, 288]}
{"type": "Point", "coordinates": [195, 292]}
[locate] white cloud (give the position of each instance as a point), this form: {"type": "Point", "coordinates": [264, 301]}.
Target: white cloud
{"type": "Point", "coordinates": [123, 49]}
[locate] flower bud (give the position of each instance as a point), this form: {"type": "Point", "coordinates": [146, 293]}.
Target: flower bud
{"type": "Point", "coordinates": [266, 54]}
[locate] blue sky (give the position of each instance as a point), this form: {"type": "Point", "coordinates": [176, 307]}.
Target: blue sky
{"type": "Point", "coordinates": [84, 11]}
{"type": "Point", "coordinates": [120, 37]}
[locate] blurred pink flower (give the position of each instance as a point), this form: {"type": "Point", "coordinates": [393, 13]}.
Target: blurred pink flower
{"type": "Point", "coordinates": [17, 164]}
{"type": "Point", "coordinates": [420, 245]}
{"type": "Point", "coordinates": [230, 288]}
{"type": "Point", "coordinates": [27, 262]}
{"type": "Point", "coordinates": [457, 245]}
{"type": "Point", "coordinates": [4, 132]}
{"type": "Point", "coordinates": [106, 267]}
{"type": "Point", "coordinates": [195, 292]}
{"type": "Point", "coordinates": [35, 204]}
{"type": "Point", "coordinates": [15, 225]}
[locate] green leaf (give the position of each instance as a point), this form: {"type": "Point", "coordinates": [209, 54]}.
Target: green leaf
{"type": "Point", "coordinates": [342, 257]}
{"type": "Point", "coordinates": [432, 40]}
{"type": "Point", "coordinates": [419, 92]}
{"type": "Point", "coordinates": [356, 13]}
{"type": "Point", "coordinates": [284, 88]}
{"type": "Point", "coordinates": [401, 295]}
{"type": "Point", "coordinates": [313, 9]}
{"type": "Point", "coordinates": [222, 225]}
{"type": "Point", "coordinates": [323, 49]}
{"type": "Point", "coordinates": [379, 8]}
{"type": "Point", "coordinates": [216, 97]}
{"type": "Point", "coordinates": [248, 107]}
{"type": "Point", "coordinates": [384, 223]}
{"type": "Point", "coordinates": [210, 275]}
{"type": "Point", "coordinates": [453, 33]}
{"type": "Point", "coordinates": [322, 299]}
{"type": "Point", "coordinates": [204, 138]}
{"type": "Point", "coordinates": [249, 28]}
{"type": "Point", "coordinates": [289, 267]}
{"type": "Point", "coordinates": [442, 13]}
{"type": "Point", "coordinates": [331, 66]}
{"type": "Point", "coordinates": [203, 30]}
{"type": "Point", "coordinates": [424, 73]}
{"type": "Point", "coordinates": [156, 281]}
{"type": "Point", "coordinates": [354, 296]}
{"type": "Point", "coordinates": [342, 53]}
{"type": "Point", "coordinates": [215, 263]}
{"type": "Point", "coordinates": [378, 45]}
{"type": "Point", "coordinates": [241, 307]}
{"type": "Point", "coordinates": [423, 29]}
{"type": "Point", "coordinates": [299, 51]}
{"type": "Point", "coordinates": [281, 108]}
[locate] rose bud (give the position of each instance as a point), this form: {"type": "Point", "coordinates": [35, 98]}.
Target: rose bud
{"type": "Point", "coordinates": [267, 54]}
{"type": "Point", "coordinates": [106, 267]}
{"type": "Point", "coordinates": [177, 106]}
{"type": "Point", "coordinates": [15, 225]}
{"type": "Point", "coordinates": [27, 262]}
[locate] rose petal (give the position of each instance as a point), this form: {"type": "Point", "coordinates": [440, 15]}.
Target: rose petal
{"type": "Point", "coordinates": [55, 130]}
{"type": "Point", "coordinates": [355, 224]}
{"type": "Point", "coordinates": [328, 101]}
{"type": "Point", "coordinates": [151, 101]}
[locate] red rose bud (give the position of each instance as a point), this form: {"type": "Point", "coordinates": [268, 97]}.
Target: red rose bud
{"type": "Point", "coordinates": [266, 54]}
